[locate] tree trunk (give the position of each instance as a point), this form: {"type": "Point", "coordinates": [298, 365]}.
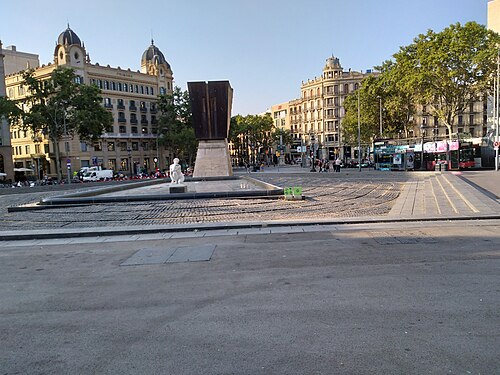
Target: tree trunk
{"type": "Point", "coordinates": [58, 160]}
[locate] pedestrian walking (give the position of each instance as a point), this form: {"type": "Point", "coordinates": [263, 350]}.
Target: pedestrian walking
{"type": "Point", "coordinates": [337, 165]}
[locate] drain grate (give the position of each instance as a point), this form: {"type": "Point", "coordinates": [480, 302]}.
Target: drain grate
{"type": "Point", "coordinates": [170, 255]}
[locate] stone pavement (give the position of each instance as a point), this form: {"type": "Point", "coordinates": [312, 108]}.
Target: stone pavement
{"type": "Point", "coordinates": [373, 298]}
{"type": "Point", "coordinates": [347, 197]}
{"type": "Point", "coordinates": [374, 273]}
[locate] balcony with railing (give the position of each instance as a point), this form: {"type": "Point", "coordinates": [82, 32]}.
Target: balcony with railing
{"type": "Point", "coordinates": [132, 108]}
{"type": "Point", "coordinates": [129, 135]}
{"type": "Point", "coordinates": [133, 121]}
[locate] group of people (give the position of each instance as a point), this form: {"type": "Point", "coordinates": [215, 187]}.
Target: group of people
{"type": "Point", "coordinates": [325, 165]}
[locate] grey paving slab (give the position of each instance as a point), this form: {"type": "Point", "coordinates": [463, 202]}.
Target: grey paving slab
{"type": "Point", "coordinates": [254, 231]}
{"type": "Point", "coordinates": [149, 256]}
{"type": "Point", "coordinates": [187, 234]}
{"type": "Point", "coordinates": [220, 232]}
{"type": "Point", "coordinates": [192, 254]}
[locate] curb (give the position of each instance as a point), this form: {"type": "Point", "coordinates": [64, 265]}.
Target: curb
{"type": "Point", "coordinates": [131, 230]}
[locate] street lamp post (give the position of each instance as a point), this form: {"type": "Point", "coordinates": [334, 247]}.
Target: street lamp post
{"type": "Point", "coordinates": [380, 114]}
{"type": "Point", "coordinates": [313, 148]}
{"type": "Point", "coordinates": [422, 164]}
{"type": "Point", "coordinates": [359, 134]}
{"type": "Point", "coordinates": [129, 153]}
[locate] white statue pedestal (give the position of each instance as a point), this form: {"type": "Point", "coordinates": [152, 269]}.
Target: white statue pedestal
{"type": "Point", "coordinates": [213, 159]}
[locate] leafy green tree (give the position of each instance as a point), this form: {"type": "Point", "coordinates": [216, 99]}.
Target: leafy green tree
{"type": "Point", "coordinates": [59, 107]}
{"type": "Point", "coordinates": [238, 137]}
{"type": "Point", "coordinates": [450, 69]}
{"type": "Point", "coordinates": [397, 98]}
{"type": "Point", "coordinates": [175, 125]}
{"type": "Point", "coordinates": [368, 118]}
{"type": "Point", "coordinates": [253, 132]}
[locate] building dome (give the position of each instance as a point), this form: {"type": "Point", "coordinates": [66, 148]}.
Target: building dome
{"type": "Point", "coordinates": [69, 37]}
{"type": "Point", "coordinates": [153, 55]}
{"type": "Point", "coordinates": [332, 63]}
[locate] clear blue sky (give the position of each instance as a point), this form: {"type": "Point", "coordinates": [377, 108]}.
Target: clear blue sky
{"type": "Point", "coordinates": [265, 48]}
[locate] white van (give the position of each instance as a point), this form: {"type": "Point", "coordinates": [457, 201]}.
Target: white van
{"type": "Point", "coordinates": [102, 175]}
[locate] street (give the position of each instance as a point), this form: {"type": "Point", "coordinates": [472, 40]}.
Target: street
{"type": "Point", "coordinates": [387, 298]}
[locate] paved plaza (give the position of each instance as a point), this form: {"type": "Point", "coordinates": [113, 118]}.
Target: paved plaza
{"type": "Point", "coordinates": [373, 273]}
{"type": "Point", "coordinates": [349, 195]}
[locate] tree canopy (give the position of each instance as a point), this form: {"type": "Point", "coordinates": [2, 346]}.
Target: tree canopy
{"type": "Point", "coordinates": [252, 132]}
{"type": "Point", "coordinates": [444, 71]}
{"type": "Point", "coordinates": [176, 130]}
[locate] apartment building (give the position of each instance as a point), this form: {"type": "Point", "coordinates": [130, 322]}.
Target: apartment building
{"type": "Point", "coordinates": [315, 118]}
{"type": "Point", "coordinates": [131, 145]}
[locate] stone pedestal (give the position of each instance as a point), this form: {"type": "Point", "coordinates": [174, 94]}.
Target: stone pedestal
{"type": "Point", "coordinates": [213, 159]}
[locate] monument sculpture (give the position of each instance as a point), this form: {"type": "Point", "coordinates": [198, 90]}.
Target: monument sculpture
{"type": "Point", "coordinates": [176, 175]}
{"type": "Point", "coordinates": [211, 104]}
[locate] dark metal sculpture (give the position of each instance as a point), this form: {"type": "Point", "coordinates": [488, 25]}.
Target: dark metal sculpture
{"type": "Point", "coordinates": [211, 108]}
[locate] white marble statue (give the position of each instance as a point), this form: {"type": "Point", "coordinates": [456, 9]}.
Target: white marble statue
{"type": "Point", "coordinates": [176, 172]}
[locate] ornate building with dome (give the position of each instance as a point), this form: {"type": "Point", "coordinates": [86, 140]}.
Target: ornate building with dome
{"type": "Point", "coordinates": [131, 145]}
{"type": "Point", "coordinates": [315, 118]}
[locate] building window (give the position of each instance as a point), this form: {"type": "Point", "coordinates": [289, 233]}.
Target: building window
{"type": "Point", "coordinates": [122, 129]}
{"type": "Point", "coordinates": [37, 149]}
{"type": "Point", "coordinates": [107, 103]}
{"type": "Point", "coordinates": [123, 146]}
{"type": "Point", "coordinates": [27, 149]}
{"type": "Point", "coordinates": [106, 85]}
{"type": "Point", "coordinates": [460, 120]}
{"type": "Point", "coordinates": [142, 89]}
{"type": "Point", "coordinates": [119, 86]}
{"type": "Point", "coordinates": [83, 147]}
{"type": "Point", "coordinates": [162, 90]}
{"type": "Point", "coordinates": [147, 90]}
{"type": "Point", "coordinates": [144, 130]}
{"type": "Point", "coordinates": [151, 90]}
{"type": "Point", "coordinates": [66, 147]}
{"type": "Point", "coordinates": [135, 146]}
{"type": "Point", "coordinates": [46, 148]}
{"type": "Point", "coordinates": [471, 119]}
{"type": "Point", "coordinates": [98, 146]}
{"type": "Point", "coordinates": [113, 86]}
{"type": "Point", "coordinates": [125, 87]}
{"type": "Point", "coordinates": [111, 146]}
{"type": "Point", "coordinates": [134, 129]}
{"type": "Point", "coordinates": [112, 164]}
